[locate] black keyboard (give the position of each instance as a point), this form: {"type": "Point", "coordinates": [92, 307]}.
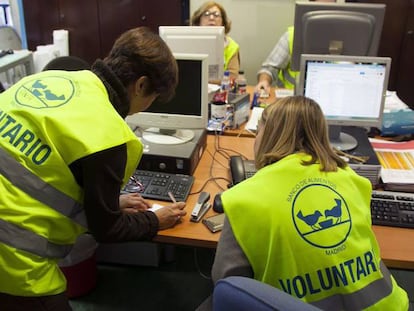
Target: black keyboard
{"type": "Point", "coordinates": [156, 185]}
{"type": "Point", "coordinates": [395, 209]}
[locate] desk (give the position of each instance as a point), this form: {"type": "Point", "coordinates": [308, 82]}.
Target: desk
{"type": "Point", "coordinates": [397, 246]}
{"type": "Point", "coordinates": [196, 234]}
{"type": "Point", "coordinates": [12, 61]}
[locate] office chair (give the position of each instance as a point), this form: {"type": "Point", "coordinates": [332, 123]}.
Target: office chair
{"type": "Point", "coordinates": [246, 294]}
{"type": "Point", "coordinates": [69, 63]}
{"type": "Point", "coordinates": [9, 38]}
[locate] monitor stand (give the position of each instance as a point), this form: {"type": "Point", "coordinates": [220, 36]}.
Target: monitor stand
{"type": "Point", "coordinates": [167, 137]}
{"type": "Point", "coordinates": [340, 140]}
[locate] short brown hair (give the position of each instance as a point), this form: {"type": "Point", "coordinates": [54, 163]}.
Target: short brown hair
{"type": "Point", "coordinates": [195, 19]}
{"type": "Point", "coordinates": [296, 124]}
{"type": "Point", "coordinates": [140, 52]}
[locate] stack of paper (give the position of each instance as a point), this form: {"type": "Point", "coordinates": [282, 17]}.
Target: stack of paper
{"type": "Point", "coordinates": [397, 164]}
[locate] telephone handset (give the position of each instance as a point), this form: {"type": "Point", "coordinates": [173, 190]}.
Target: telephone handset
{"type": "Point", "coordinates": [241, 169]}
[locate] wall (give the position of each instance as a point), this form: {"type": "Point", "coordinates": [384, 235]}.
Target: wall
{"type": "Point", "coordinates": [256, 26]}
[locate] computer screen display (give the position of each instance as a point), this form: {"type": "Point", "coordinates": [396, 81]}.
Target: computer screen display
{"type": "Point", "coordinates": [336, 28]}
{"type": "Point", "coordinates": [198, 39]}
{"type": "Point", "coordinates": [171, 122]}
{"type": "Point", "coordinates": [350, 90]}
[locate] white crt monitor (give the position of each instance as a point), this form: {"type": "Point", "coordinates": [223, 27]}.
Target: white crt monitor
{"type": "Point", "coordinates": [172, 122]}
{"type": "Point", "coordinates": [350, 90]}
{"type": "Point", "coordinates": [336, 28]}
{"type": "Point", "coordinates": [198, 39]}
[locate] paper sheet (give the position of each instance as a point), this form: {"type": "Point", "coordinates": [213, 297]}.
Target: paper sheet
{"type": "Point", "coordinates": [255, 116]}
{"type": "Point", "coordinates": [397, 161]}
{"type": "Point", "coordinates": [155, 207]}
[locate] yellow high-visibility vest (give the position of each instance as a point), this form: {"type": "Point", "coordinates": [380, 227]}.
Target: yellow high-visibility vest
{"type": "Point", "coordinates": [309, 234]}
{"type": "Point", "coordinates": [48, 121]}
{"type": "Point", "coordinates": [229, 51]}
{"type": "Point", "coordinates": [287, 77]}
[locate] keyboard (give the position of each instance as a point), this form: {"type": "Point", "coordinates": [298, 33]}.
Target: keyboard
{"type": "Point", "coordinates": [394, 209]}
{"type": "Point", "coordinates": [156, 185]}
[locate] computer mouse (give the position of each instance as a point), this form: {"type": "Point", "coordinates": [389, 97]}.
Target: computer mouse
{"type": "Point", "coordinates": [217, 204]}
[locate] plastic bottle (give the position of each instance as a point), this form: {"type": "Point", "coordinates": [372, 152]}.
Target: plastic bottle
{"type": "Point", "coordinates": [218, 106]}
{"type": "Point", "coordinates": [241, 83]}
{"type": "Point", "coordinates": [225, 82]}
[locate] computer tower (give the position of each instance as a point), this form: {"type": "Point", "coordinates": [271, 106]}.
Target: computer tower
{"type": "Point", "coordinates": [177, 159]}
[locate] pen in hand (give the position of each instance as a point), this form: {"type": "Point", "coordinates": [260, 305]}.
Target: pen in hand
{"type": "Point", "coordinates": [170, 194]}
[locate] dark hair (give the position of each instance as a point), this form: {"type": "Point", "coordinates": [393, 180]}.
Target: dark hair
{"type": "Point", "coordinates": [140, 52]}
{"type": "Point", "coordinates": [69, 63]}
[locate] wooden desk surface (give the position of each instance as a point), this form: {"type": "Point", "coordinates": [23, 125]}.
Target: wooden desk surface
{"type": "Point", "coordinates": [396, 244]}
{"type": "Point", "coordinates": [197, 234]}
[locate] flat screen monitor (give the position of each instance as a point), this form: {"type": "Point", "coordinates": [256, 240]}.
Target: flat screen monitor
{"type": "Point", "coordinates": [198, 39]}
{"type": "Point", "coordinates": [336, 28]}
{"type": "Point", "coordinates": [173, 122]}
{"type": "Point", "coordinates": [350, 90]}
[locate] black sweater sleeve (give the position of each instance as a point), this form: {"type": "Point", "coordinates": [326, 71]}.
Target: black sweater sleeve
{"type": "Point", "coordinates": [100, 175]}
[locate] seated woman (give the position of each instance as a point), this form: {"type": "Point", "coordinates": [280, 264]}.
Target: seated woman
{"type": "Point", "coordinates": [302, 223]}
{"type": "Point", "coordinates": [213, 14]}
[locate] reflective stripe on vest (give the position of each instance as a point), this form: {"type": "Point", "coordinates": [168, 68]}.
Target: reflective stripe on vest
{"type": "Point", "coordinates": [29, 241]}
{"type": "Point", "coordinates": [363, 298]}
{"type": "Point", "coordinates": [31, 184]}
{"type": "Point", "coordinates": [287, 77]}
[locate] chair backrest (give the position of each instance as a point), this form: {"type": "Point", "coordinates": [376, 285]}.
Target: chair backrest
{"type": "Point", "coordinates": [9, 38]}
{"type": "Point", "coordinates": [246, 294]}
{"type": "Point", "coordinates": [69, 63]}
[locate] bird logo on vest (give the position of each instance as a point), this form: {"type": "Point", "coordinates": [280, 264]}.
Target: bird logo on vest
{"type": "Point", "coordinates": [47, 92]}
{"type": "Point", "coordinates": [321, 216]}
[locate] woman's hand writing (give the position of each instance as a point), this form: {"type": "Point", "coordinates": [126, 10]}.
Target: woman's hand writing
{"type": "Point", "coordinates": [132, 203]}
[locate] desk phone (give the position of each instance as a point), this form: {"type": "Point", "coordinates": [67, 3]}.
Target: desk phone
{"type": "Point", "coordinates": [241, 169]}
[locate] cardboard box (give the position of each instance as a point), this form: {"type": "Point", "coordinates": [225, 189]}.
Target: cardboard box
{"type": "Point", "coordinates": [237, 113]}
{"type": "Point", "coordinates": [238, 110]}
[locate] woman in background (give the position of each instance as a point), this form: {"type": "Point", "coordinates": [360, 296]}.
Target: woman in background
{"type": "Point", "coordinates": [213, 14]}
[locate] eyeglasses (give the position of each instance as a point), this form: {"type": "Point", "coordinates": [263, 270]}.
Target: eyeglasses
{"type": "Point", "coordinates": [134, 185]}
{"type": "Point", "coordinates": [214, 14]}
